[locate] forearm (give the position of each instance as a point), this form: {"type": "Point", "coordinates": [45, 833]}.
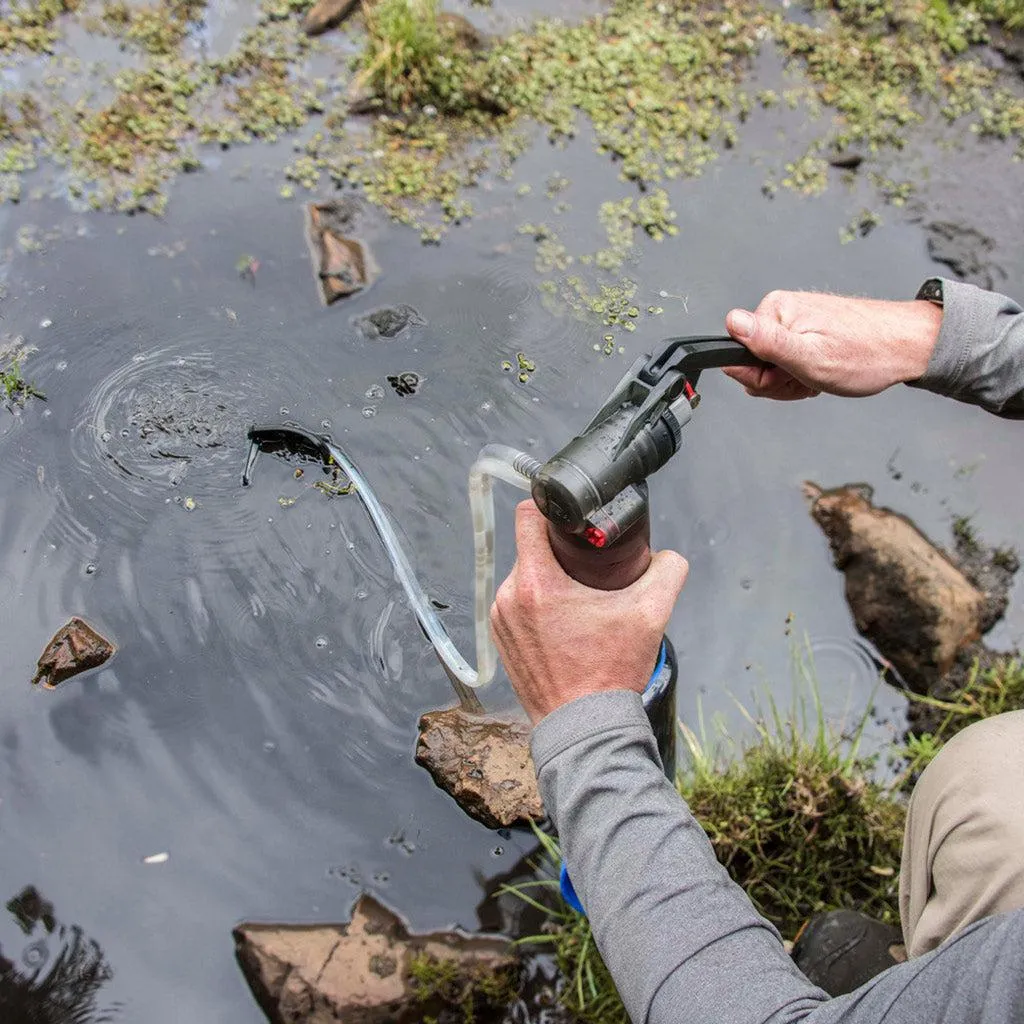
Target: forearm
{"type": "Point", "coordinates": [663, 911]}
{"type": "Point", "coordinates": [979, 354]}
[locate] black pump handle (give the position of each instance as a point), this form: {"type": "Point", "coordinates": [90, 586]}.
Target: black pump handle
{"type": "Point", "coordinates": [693, 354]}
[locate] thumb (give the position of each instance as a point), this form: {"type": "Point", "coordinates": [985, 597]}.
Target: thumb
{"type": "Point", "coordinates": [665, 576]}
{"type": "Point", "coordinates": [762, 334]}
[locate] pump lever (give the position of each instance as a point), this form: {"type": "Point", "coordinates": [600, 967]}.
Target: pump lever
{"type": "Point", "coordinates": [690, 355]}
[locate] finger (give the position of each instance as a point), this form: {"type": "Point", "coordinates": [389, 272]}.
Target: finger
{"type": "Point", "coordinates": [784, 391]}
{"type": "Point", "coordinates": [762, 333]}
{"type": "Point", "coordinates": [532, 545]}
{"type": "Point", "coordinates": [751, 376]}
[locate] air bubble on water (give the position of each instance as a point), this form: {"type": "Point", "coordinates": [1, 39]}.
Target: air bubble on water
{"type": "Point", "coordinates": [369, 411]}
{"type": "Point", "coordinates": [497, 851]}
{"type": "Point", "coordinates": [325, 424]}
{"type": "Point", "coordinates": [124, 432]}
{"type": "Point", "coordinates": [35, 954]}
{"type": "Point", "coordinates": [321, 642]}
{"type": "Point", "coordinates": [62, 365]}
{"type": "Point", "coordinates": [284, 411]}
{"type": "Point", "coordinates": [90, 568]}
{"type": "Point", "coordinates": [374, 391]}
{"type": "Point", "coordinates": [105, 436]}
{"type": "Point", "coordinates": [351, 546]}
{"type": "Point", "coordinates": [269, 746]}
{"type": "Point", "coordinates": [361, 595]}
{"type": "Point", "coordinates": [663, 293]}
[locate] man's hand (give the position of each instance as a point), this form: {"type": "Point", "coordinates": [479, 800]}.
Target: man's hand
{"type": "Point", "coordinates": [845, 346]}
{"type": "Point", "coordinates": [560, 640]}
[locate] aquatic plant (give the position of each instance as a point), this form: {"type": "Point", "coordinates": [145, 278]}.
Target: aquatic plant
{"type": "Point", "coordinates": [16, 390]}
{"type": "Point", "coordinates": [403, 46]}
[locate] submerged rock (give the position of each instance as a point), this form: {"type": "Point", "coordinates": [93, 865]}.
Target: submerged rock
{"type": "Point", "coordinates": [74, 648]}
{"type": "Point", "coordinates": [342, 264]}
{"type": "Point", "coordinates": [373, 971]}
{"type": "Point", "coordinates": [965, 251]}
{"type": "Point", "coordinates": [484, 763]}
{"type": "Point", "coordinates": [906, 595]}
{"type": "Point", "coordinates": [327, 14]}
{"type": "Point", "coordinates": [388, 321]}
{"type": "Point", "coordinates": [846, 159]}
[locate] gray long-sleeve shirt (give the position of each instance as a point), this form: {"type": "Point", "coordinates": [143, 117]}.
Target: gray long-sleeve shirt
{"type": "Point", "coordinates": [683, 942]}
{"type": "Point", "coordinates": [979, 355]}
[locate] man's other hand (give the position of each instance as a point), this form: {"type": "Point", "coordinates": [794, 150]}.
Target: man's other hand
{"type": "Point", "coordinates": [560, 640]}
{"type": "Point", "coordinates": [844, 346]}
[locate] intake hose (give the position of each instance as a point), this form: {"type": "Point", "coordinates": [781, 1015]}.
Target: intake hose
{"type": "Point", "coordinates": [495, 461]}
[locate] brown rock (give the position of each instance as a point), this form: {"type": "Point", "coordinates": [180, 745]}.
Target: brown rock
{"type": "Point", "coordinates": [74, 648]}
{"type": "Point", "coordinates": [461, 31]}
{"type": "Point", "coordinates": [327, 14]}
{"type": "Point", "coordinates": [341, 264]}
{"type": "Point", "coordinates": [906, 596]}
{"type": "Point", "coordinates": [372, 971]}
{"type": "Point", "coordinates": [484, 763]}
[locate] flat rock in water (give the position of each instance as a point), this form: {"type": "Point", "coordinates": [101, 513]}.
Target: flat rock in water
{"type": "Point", "coordinates": [484, 763]}
{"type": "Point", "coordinates": [363, 972]}
{"type": "Point", "coordinates": [327, 14]}
{"type": "Point", "coordinates": [341, 264]}
{"type": "Point", "coordinates": [906, 596]}
{"type": "Point", "coordinates": [74, 648]}
{"type": "Point", "coordinates": [389, 322]}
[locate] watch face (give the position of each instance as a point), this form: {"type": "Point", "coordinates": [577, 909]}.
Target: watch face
{"type": "Point", "coordinates": [932, 291]}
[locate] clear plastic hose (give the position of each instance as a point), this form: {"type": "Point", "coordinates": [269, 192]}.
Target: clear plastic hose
{"type": "Point", "coordinates": [494, 461]}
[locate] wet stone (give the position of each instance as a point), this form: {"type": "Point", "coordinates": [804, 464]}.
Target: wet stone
{"type": "Point", "coordinates": [484, 763]}
{"type": "Point", "coordinates": [907, 596]}
{"type": "Point", "coordinates": [374, 971]}
{"type": "Point", "coordinates": [327, 14]}
{"type": "Point", "coordinates": [342, 264]}
{"type": "Point", "coordinates": [389, 321]}
{"type": "Point", "coordinates": [75, 647]}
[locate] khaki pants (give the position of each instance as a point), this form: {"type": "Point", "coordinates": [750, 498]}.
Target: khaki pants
{"type": "Point", "coordinates": [963, 851]}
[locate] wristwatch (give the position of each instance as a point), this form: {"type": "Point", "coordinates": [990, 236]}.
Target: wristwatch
{"type": "Point", "coordinates": [931, 291]}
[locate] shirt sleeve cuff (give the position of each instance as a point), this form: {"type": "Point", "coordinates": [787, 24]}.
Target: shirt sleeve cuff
{"type": "Point", "coordinates": [956, 333]}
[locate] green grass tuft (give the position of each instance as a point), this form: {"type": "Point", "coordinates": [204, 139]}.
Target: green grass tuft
{"type": "Point", "coordinates": [988, 691]}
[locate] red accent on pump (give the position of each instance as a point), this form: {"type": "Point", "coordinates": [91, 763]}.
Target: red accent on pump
{"type": "Point", "coordinates": [596, 537]}
{"type": "Point", "coordinates": [688, 390]}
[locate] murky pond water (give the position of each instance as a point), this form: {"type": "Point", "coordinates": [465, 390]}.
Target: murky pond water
{"type": "Point", "coordinates": [258, 721]}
